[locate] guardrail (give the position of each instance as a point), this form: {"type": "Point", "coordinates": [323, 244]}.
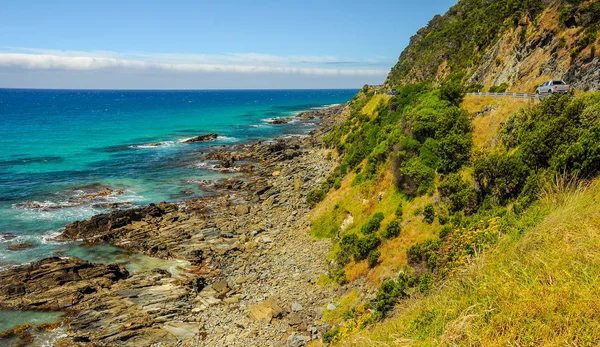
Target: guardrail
{"type": "Point", "coordinates": [514, 95]}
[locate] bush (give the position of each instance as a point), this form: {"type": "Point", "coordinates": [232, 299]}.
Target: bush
{"type": "Point", "coordinates": [373, 224]}
{"type": "Point", "coordinates": [398, 211]}
{"type": "Point", "coordinates": [366, 245]}
{"type": "Point", "coordinates": [389, 292]}
{"type": "Point", "coordinates": [423, 252]}
{"type": "Point", "coordinates": [373, 258]}
{"type": "Point", "coordinates": [315, 196]}
{"type": "Point", "coordinates": [425, 283]}
{"type": "Point", "coordinates": [460, 195]}
{"type": "Point", "coordinates": [428, 214]}
{"type": "Point", "coordinates": [500, 175]}
{"type": "Point", "coordinates": [331, 335]}
{"type": "Point", "coordinates": [392, 230]}
{"type": "Point", "coordinates": [337, 275]}
{"type": "Point", "coordinates": [499, 89]}
{"type": "Point", "coordinates": [452, 92]}
{"type": "Point", "coordinates": [416, 178]}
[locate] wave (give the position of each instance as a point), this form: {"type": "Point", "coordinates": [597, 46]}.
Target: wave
{"type": "Point", "coordinates": [157, 144]}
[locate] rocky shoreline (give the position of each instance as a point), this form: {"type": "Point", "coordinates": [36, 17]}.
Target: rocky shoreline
{"type": "Point", "coordinates": [251, 278]}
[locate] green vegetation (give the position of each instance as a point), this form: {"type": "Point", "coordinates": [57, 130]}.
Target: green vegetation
{"type": "Point", "coordinates": [459, 38]}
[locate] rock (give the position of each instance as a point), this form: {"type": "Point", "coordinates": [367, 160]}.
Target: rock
{"type": "Point", "coordinates": [231, 300]}
{"type": "Point", "coordinates": [201, 138]}
{"type": "Point", "coordinates": [265, 311]}
{"type": "Point", "coordinates": [330, 307]}
{"type": "Point", "coordinates": [99, 225]}
{"type": "Point", "coordinates": [182, 330]}
{"type": "Point", "coordinates": [55, 283]}
{"type": "Point", "coordinates": [241, 210]}
{"type": "Point", "coordinates": [296, 307]}
{"type": "Point", "coordinates": [20, 246]}
{"type": "Point", "coordinates": [280, 120]}
{"type": "Point", "coordinates": [297, 340]}
{"type": "Point", "coordinates": [221, 287]}
{"type": "Point", "coordinates": [294, 319]}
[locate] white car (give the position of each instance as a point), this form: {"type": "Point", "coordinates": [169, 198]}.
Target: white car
{"type": "Point", "coordinates": [551, 87]}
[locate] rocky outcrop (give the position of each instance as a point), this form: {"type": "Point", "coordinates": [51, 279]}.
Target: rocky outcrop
{"type": "Point", "coordinates": [253, 268]}
{"type": "Point", "coordinates": [201, 138]}
{"type": "Point", "coordinates": [99, 227]}
{"type": "Point", "coordinates": [55, 283]}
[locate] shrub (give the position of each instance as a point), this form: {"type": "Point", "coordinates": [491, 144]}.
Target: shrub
{"type": "Point", "coordinates": [428, 214]}
{"type": "Point", "coordinates": [460, 195]}
{"type": "Point", "coordinates": [366, 245]}
{"type": "Point", "coordinates": [452, 92]}
{"type": "Point", "coordinates": [389, 292]}
{"type": "Point", "coordinates": [331, 335]}
{"type": "Point", "coordinates": [425, 283]}
{"type": "Point", "coordinates": [500, 175]}
{"type": "Point", "coordinates": [499, 89]}
{"type": "Point", "coordinates": [315, 196]}
{"type": "Point", "coordinates": [416, 178]}
{"type": "Point", "coordinates": [398, 211]}
{"type": "Point", "coordinates": [373, 258]}
{"type": "Point", "coordinates": [337, 275]}
{"type": "Point", "coordinates": [423, 252]}
{"type": "Point", "coordinates": [373, 224]}
{"type": "Point", "coordinates": [392, 230]}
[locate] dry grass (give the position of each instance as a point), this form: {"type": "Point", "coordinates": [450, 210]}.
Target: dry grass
{"type": "Point", "coordinates": [487, 125]}
{"type": "Point", "coordinates": [370, 107]}
{"type": "Point", "coordinates": [539, 288]}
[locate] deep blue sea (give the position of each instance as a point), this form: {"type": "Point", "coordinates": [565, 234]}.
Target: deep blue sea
{"type": "Point", "coordinates": [56, 146]}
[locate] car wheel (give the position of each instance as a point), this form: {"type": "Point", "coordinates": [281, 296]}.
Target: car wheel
{"type": "Point", "coordinates": [549, 91]}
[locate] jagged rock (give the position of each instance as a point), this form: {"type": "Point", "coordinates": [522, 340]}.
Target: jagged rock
{"type": "Point", "coordinates": [99, 225]}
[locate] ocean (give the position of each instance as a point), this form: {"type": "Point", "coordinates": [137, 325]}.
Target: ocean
{"type": "Point", "coordinates": [57, 147]}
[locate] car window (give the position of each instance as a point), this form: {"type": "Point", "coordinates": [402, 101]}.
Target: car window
{"type": "Point", "coordinates": [557, 83]}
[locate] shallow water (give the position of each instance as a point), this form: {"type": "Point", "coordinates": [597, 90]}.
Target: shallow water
{"type": "Point", "coordinates": [9, 319]}
{"type": "Point", "coordinates": [58, 146]}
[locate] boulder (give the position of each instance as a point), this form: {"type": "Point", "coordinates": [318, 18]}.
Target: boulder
{"type": "Point", "coordinates": [266, 311]}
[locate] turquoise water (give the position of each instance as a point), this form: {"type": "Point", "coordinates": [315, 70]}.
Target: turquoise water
{"type": "Point", "coordinates": [58, 146]}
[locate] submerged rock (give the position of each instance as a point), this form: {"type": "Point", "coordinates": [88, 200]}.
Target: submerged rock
{"type": "Point", "coordinates": [280, 120]}
{"type": "Point", "coordinates": [21, 246]}
{"type": "Point", "coordinates": [201, 138]}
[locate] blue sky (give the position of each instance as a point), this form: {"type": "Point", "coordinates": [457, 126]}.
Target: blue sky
{"type": "Point", "coordinates": [205, 44]}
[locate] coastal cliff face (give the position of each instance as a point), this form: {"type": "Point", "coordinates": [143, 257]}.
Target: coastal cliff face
{"type": "Point", "coordinates": [517, 43]}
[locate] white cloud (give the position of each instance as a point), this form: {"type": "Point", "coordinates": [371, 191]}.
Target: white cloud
{"type": "Point", "coordinates": [247, 63]}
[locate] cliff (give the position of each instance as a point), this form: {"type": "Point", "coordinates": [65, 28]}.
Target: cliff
{"type": "Point", "coordinates": [520, 43]}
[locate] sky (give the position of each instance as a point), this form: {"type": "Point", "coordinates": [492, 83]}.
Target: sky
{"type": "Point", "coordinates": [200, 44]}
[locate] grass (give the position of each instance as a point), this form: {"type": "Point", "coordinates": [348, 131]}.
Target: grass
{"type": "Point", "coordinates": [538, 287]}
{"type": "Point", "coordinates": [487, 125]}
{"type": "Point", "coordinates": [370, 107]}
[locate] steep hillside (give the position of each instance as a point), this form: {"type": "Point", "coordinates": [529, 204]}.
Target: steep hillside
{"type": "Point", "coordinates": [468, 220]}
{"type": "Point", "coordinates": [488, 43]}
